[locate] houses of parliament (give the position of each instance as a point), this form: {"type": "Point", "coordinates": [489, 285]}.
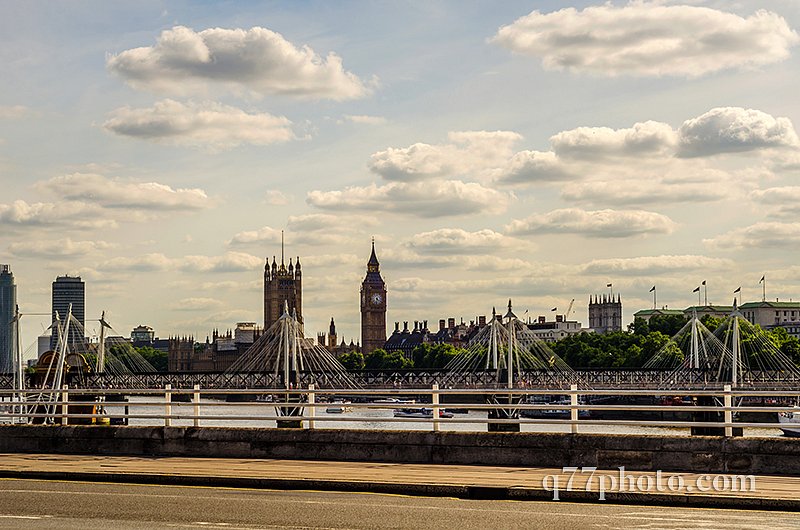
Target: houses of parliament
{"type": "Point", "coordinates": [283, 287]}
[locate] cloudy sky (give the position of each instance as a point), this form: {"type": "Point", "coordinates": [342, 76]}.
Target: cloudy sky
{"type": "Point", "coordinates": [493, 149]}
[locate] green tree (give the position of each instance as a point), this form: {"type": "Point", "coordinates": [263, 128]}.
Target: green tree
{"type": "Point", "coordinates": [381, 360]}
{"type": "Point", "coordinates": [711, 322]}
{"type": "Point", "coordinates": [352, 360]}
{"type": "Point", "coordinates": [669, 325]}
{"type": "Point", "coordinates": [433, 356]}
{"type": "Point", "coordinates": [157, 358]}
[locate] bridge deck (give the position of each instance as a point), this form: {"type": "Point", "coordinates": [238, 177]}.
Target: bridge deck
{"type": "Point", "coordinates": [771, 492]}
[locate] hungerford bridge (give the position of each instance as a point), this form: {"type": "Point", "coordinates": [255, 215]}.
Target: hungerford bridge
{"type": "Point", "coordinates": [503, 355]}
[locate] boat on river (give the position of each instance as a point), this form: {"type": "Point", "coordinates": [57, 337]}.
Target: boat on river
{"type": "Point", "coordinates": [791, 420]}
{"type": "Point", "coordinates": [420, 413]}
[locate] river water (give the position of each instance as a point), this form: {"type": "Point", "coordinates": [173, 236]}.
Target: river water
{"type": "Point", "coordinates": [248, 415]}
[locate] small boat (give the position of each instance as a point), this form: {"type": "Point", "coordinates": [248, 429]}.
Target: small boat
{"type": "Point", "coordinates": [393, 401]}
{"type": "Point", "coordinates": [556, 412]}
{"type": "Point", "coordinates": [792, 422]}
{"type": "Point", "coordinates": [420, 413]}
{"type": "Point", "coordinates": [339, 407]}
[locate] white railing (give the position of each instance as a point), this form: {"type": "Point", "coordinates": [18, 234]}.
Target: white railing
{"type": "Point", "coordinates": [164, 405]}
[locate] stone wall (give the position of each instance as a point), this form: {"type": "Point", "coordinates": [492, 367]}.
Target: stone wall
{"type": "Point", "coordinates": [776, 456]}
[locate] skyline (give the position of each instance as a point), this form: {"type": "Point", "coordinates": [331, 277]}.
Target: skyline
{"type": "Point", "coordinates": [493, 151]}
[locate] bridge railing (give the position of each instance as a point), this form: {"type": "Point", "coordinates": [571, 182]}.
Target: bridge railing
{"type": "Point", "coordinates": [576, 410]}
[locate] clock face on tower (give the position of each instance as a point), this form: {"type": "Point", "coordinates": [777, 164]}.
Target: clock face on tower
{"type": "Point", "coordinates": [376, 299]}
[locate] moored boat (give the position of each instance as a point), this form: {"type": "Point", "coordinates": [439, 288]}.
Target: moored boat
{"type": "Point", "coordinates": [792, 422]}
{"type": "Point", "coordinates": [420, 413]}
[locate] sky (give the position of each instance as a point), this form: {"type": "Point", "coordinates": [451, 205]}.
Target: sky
{"type": "Point", "coordinates": [532, 150]}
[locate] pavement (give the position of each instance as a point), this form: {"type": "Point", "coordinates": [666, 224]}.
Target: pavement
{"type": "Point", "coordinates": [56, 505]}
{"type": "Point", "coordinates": [759, 492]}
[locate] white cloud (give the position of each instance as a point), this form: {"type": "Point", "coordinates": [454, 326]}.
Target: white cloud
{"type": "Point", "coordinates": [599, 223]}
{"type": "Point", "coordinates": [365, 119]}
{"type": "Point", "coordinates": [531, 167]}
{"type": "Point", "coordinates": [57, 248]}
{"type": "Point", "coordinates": [12, 112]}
{"type": "Point", "coordinates": [646, 265]}
{"type": "Point", "coordinates": [431, 199]}
{"type": "Point", "coordinates": [649, 39]}
{"type": "Point", "coordinates": [784, 201]}
{"type": "Point", "coordinates": [734, 129]}
{"type": "Point", "coordinates": [468, 153]}
{"type": "Point", "coordinates": [196, 304]}
{"type": "Point", "coordinates": [257, 60]}
{"type": "Point", "coordinates": [118, 193]}
{"type": "Point", "coordinates": [759, 235]}
{"type": "Point", "coordinates": [456, 241]}
{"type": "Point", "coordinates": [276, 198]}
{"type": "Point", "coordinates": [266, 234]}
{"type": "Point", "coordinates": [67, 214]}
{"type": "Point", "coordinates": [141, 263]}
{"type": "Point", "coordinates": [650, 138]}
{"type": "Point", "coordinates": [642, 191]}
{"type": "Point", "coordinates": [228, 262]}
{"type": "Point", "coordinates": [206, 124]}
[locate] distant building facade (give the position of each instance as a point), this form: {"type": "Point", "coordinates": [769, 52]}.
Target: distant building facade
{"type": "Point", "coordinates": [8, 305]}
{"type": "Point", "coordinates": [605, 313]}
{"type": "Point", "coordinates": [282, 286]}
{"type": "Point", "coordinates": [373, 306]}
{"type": "Point", "coordinates": [554, 330]}
{"type": "Point", "coordinates": [770, 314]}
{"type": "Point", "coordinates": [145, 337]}
{"type": "Point", "coordinates": [69, 291]}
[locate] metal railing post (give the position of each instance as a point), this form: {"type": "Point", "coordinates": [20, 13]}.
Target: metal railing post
{"type": "Point", "coordinates": [435, 403]}
{"type": "Point", "coordinates": [573, 411]}
{"type": "Point", "coordinates": [196, 401]}
{"type": "Point", "coordinates": [64, 405]}
{"type": "Point", "coordinates": [727, 400]}
{"type": "Point", "coordinates": [167, 405]}
{"type": "Point", "coordinates": [312, 410]}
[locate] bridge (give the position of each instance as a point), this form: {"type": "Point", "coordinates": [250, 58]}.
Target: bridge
{"type": "Point", "coordinates": [423, 379]}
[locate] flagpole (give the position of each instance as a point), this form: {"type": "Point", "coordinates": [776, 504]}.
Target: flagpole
{"type": "Point", "coordinates": [706, 292]}
{"type": "Point", "coordinates": [655, 305]}
{"type": "Point", "coordinates": [764, 288]}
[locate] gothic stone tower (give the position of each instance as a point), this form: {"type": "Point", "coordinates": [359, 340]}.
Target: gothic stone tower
{"type": "Point", "coordinates": [373, 307]}
{"type": "Point", "coordinates": [605, 313]}
{"type": "Point", "coordinates": [282, 285]}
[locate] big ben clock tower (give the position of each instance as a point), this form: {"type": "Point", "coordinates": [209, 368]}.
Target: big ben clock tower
{"type": "Point", "coordinates": [373, 307]}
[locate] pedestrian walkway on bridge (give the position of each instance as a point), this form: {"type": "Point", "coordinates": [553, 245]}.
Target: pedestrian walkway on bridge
{"type": "Point", "coordinates": [489, 482]}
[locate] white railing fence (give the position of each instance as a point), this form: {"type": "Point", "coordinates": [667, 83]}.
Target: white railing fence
{"type": "Point", "coordinates": [162, 406]}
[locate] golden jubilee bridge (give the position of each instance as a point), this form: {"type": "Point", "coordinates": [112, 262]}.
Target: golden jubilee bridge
{"type": "Point", "coordinates": [504, 354]}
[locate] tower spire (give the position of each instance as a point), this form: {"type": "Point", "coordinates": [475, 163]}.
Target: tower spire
{"type": "Point", "coordinates": [281, 247]}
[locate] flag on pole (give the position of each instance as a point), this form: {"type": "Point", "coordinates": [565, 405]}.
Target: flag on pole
{"type": "Point", "coordinates": [554, 309]}
{"type": "Point", "coordinates": [762, 279]}
{"type": "Point", "coordinates": [609, 285]}
{"type": "Point", "coordinates": [704, 282]}
{"type": "Point", "coordinates": [738, 290]}
{"type": "Point", "coordinates": [697, 290]}
{"type": "Point", "coordinates": [653, 289]}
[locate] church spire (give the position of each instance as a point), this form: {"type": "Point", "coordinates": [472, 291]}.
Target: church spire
{"type": "Point", "coordinates": [373, 265]}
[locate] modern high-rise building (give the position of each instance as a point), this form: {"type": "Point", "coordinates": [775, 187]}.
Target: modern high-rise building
{"type": "Point", "coordinates": [373, 307]}
{"type": "Point", "coordinates": [69, 290]}
{"type": "Point", "coordinates": [8, 304]}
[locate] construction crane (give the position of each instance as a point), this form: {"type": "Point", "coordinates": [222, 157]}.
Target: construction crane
{"type": "Point", "coordinates": [569, 310]}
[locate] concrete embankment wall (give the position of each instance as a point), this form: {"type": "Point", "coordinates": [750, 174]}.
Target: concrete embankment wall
{"type": "Point", "coordinates": [775, 456]}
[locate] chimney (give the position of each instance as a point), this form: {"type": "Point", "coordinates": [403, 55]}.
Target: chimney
{"type": "Point", "coordinates": [542, 320]}
{"type": "Point", "coordinates": [559, 318]}
{"type": "Point", "coordinates": [482, 320]}
{"type": "Point", "coordinates": [441, 324]}
{"type": "Point", "coordinates": [451, 323]}
{"type": "Point", "coordinates": [397, 327]}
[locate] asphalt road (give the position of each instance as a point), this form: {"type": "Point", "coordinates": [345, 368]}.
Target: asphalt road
{"type": "Point", "coordinates": [88, 506]}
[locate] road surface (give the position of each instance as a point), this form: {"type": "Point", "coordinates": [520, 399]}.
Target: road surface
{"type": "Point", "coordinates": [88, 506]}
